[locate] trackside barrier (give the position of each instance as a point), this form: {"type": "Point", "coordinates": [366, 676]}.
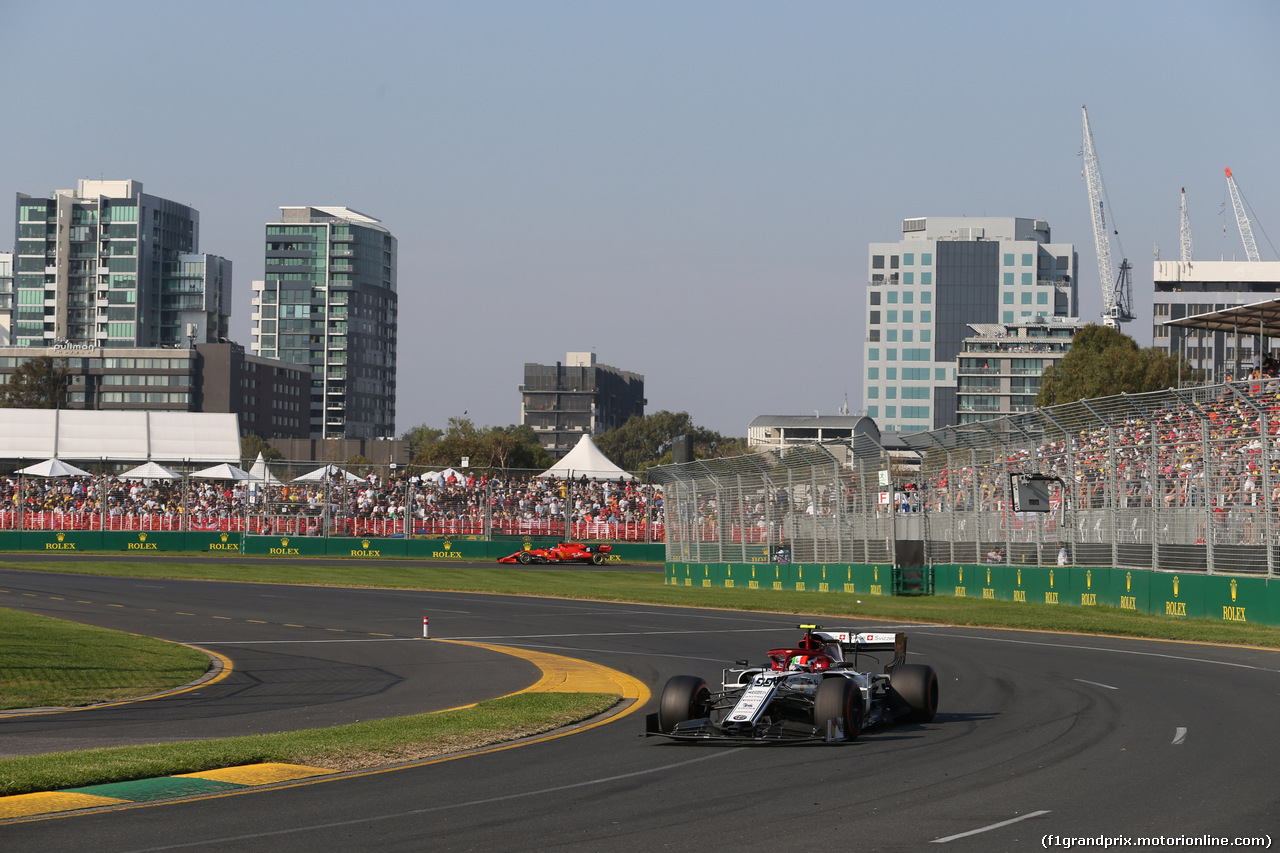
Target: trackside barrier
{"type": "Point", "coordinates": [799, 577]}
{"type": "Point", "coordinates": [445, 550]}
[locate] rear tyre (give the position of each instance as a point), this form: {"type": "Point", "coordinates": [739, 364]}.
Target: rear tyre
{"type": "Point", "coordinates": [685, 697]}
{"type": "Point", "coordinates": [839, 697]}
{"type": "Point", "coordinates": [916, 686]}
{"type": "Point", "coordinates": [524, 558]}
{"type": "Point", "coordinates": [597, 559]}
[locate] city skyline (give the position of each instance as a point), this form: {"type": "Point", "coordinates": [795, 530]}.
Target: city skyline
{"type": "Point", "coordinates": [687, 190]}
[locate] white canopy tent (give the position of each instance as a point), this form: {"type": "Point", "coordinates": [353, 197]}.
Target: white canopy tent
{"type": "Point", "coordinates": [224, 471]}
{"type": "Point", "coordinates": [330, 471]}
{"type": "Point", "coordinates": [53, 468]}
{"type": "Point", "coordinates": [262, 473]}
{"type": "Point", "coordinates": [586, 460]}
{"type": "Point", "coordinates": [150, 471]}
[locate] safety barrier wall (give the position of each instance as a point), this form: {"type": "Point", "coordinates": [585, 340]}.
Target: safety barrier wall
{"type": "Point", "coordinates": [1241, 600]}
{"type": "Point", "coordinates": [93, 541]}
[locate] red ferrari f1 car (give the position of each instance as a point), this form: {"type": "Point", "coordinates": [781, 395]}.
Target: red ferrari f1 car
{"type": "Point", "coordinates": [562, 552]}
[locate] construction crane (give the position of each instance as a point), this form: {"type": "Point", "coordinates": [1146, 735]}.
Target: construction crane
{"type": "Point", "coordinates": [1246, 230]}
{"type": "Point", "coordinates": [1117, 288]}
{"type": "Point", "coordinates": [1185, 230]}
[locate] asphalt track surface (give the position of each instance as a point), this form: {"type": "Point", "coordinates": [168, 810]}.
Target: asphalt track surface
{"type": "Point", "coordinates": [1037, 734]}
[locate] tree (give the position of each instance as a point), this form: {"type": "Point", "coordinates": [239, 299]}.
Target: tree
{"type": "Point", "coordinates": [39, 383]}
{"type": "Point", "coordinates": [251, 445]}
{"type": "Point", "coordinates": [646, 440]}
{"type": "Point", "coordinates": [1103, 362]}
{"type": "Point", "coordinates": [509, 447]}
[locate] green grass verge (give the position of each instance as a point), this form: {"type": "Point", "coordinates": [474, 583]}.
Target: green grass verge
{"type": "Point", "coordinates": [46, 662]}
{"type": "Point", "coordinates": [648, 588]}
{"type": "Point", "coordinates": [349, 747]}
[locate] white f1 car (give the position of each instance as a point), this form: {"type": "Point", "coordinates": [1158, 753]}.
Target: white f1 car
{"type": "Point", "coordinates": [814, 691]}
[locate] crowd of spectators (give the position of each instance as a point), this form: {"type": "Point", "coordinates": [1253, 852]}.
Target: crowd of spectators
{"type": "Point", "coordinates": [449, 504]}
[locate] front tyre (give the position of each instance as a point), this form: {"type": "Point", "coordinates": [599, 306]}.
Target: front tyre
{"type": "Point", "coordinates": [839, 697]}
{"type": "Point", "coordinates": [685, 697]}
{"type": "Point", "coordinates": [524, 558]}
{"type": "Point", "coordinates": [916, 685]}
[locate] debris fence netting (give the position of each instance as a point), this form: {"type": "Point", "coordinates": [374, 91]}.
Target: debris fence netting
{"type": "Point", "coordinates": [1185, 481]}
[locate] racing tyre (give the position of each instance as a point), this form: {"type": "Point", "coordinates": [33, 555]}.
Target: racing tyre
{"type": "Point", "coordinates": [597, 559]}
{"type": "Point", "coordinates": [524, 558]}
{"type": "Point", "coordinates": [916, 686]}
{"type": "Point", "coordinates": [685, 697]}
{"type": "Point", "coordinates": [838, 697]}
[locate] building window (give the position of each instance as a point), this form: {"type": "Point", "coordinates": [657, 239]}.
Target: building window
{"type": "Point", "coordinates": [891, 393]}
{"type": "Point", "coordinates": [926, 278]}
{"type": "Point", "coordinates": [893, 297]}
{"type": "Point", "coordinates": [874, 318]}
{"type": "Point", "coordinates": [1027, 280]}
{"type": "Point", "coordinates": [908, 259]}
{"type": "Point", "coordinates": [873, 392]}
{"type": "Point", "coordinates": [873, 411]}
{"type": "Point", "coordinates": [908, 297]}
{"type": "Point", "coordinates": [926, 316]}
{"type": "Point", "coordinates": [939, 374]}
{"type": "Point", "coordinates": [891, 335]}
{"type": "Point", "coordinates": [906, 336]}
{"type": "Point", "coordinates": [915, 412]}
{"type": "Point", "coordinates": [877, 262]}
{"type": "Point", "coordinates": [893, 262]}
{"type": "Point", "coordinates": [891, 374]}
{"type": "Point", "coordinates": [908, 278]}
{"type": "Point", "coordinates": [1027, 260]}
{"type": "Point", "coordinates": [875, 297]}
{"type": "Point", "coordinates": [890, 411]}
{"type": "Point", "coordinates": [926, 336]}
{"type": "Point", "coordinates": [891, 354]}
{"type": "Point", "coordinates": [926, 259]}
{"type": "Point", "coordinates": [1008, 297]}
{"type": "Point", "coordinates": [908, 316]}
{"type": "Point", "coordinates": [1026, 297]}
{"type": "Point", "coordinates": [873, 373]}
{"type": "Point", "coordinates": [1042, 298]}
{"type": "Point", "coordinates": [1008, 279]}
{"type": "Point", "coordinates": [891, 316]}
{"type": "Point", "coordinates": [873, 336]}
{"type": "Point", "coordinates": [926, 298]}
{"type": "Point", "coordinates": [1008, 259]}
{"type": "Point", "coordinates": [1007, 317]}
{"type": "Point", "coordinates": [873, 354]}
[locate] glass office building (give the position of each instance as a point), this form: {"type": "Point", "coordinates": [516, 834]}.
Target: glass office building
{"type": "Point", "coordinates": [108, 265]}
{"type": "Point", "coordinates": [328, 300]}
{"type": "Point", "coordinates": [925, 292]}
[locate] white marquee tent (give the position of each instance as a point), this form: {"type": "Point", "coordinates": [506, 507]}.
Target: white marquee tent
{"type": "Point", "coordinates": [586, 460]}
{"type": "Point", "coordinates": [198, 437]}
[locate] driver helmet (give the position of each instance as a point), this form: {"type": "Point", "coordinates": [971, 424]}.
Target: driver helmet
{"type": "Point", "coordinates": [800, 663]}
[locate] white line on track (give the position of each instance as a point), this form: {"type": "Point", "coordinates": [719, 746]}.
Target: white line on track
{"type": "Point", "coordinates": [208, 842]}
{"type": "Point", "coordinates": [1179, 735]}
{"type": "Point", "coordinates": [989, 828]}
{"type": "Point", "coordinates": [1064, 646]}
{"type": "Point", "coordinates": [1097, 684]}
{"type": "Point", "coordinates": [292, 642]}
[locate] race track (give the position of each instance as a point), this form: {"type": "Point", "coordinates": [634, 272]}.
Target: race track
{"type": "Point", "coordinates": [1037, 734]}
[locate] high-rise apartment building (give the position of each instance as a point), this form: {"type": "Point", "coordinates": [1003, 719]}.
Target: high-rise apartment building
{"type": "Point", "coordinates": [563, 401]}
{"type": "Point", "coordinates": [1185, 288]}
{"type": "Point", "coordinates": [328, 301]}
{"type": "Point", "coordinates": [925, 291]}
{"type": "Point", "coordinates": [107, 265]}
{"type": "Point", "coordinates": [6, 296]}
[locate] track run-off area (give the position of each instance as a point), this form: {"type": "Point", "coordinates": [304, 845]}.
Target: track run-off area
{"type": "Point", "coordinates": [1038, 736]}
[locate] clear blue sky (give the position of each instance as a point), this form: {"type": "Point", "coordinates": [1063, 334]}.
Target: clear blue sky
{"type": "Point", "coordinates": [687, 188]}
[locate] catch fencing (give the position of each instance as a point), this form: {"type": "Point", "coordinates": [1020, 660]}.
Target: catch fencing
{"type": "Point", "coordinates": [1180, 480]}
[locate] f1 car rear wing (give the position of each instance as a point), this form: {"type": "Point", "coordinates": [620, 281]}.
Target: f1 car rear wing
{"type": "Point", "coordinates": [853, 641]}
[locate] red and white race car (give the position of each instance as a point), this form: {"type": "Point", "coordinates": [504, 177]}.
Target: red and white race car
{"type": "Point", "coordinates": [821, 689]}
{"type": "Point", "coordinates": [561, 552]}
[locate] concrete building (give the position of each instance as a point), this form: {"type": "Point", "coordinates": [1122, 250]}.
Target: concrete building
{"type": "Point", "coordinates": [270, 398]}
{"type": "Point", "coordinates": [999, 367]}
{"type": "Point", "coordinates": [925, 292]}
{"type": "Point", "coordinates": [778, 431]}
{"type": "Point", "coordinates": [108, 265]}
{"type": "Point", "coordinates": [6, 296]}
{"type": "Point", "coordinates": [329, 303]}
{"type": "Point", "coordinates": [1185, 288]}
{"type": "Point", "coordinates": [562, 401]}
